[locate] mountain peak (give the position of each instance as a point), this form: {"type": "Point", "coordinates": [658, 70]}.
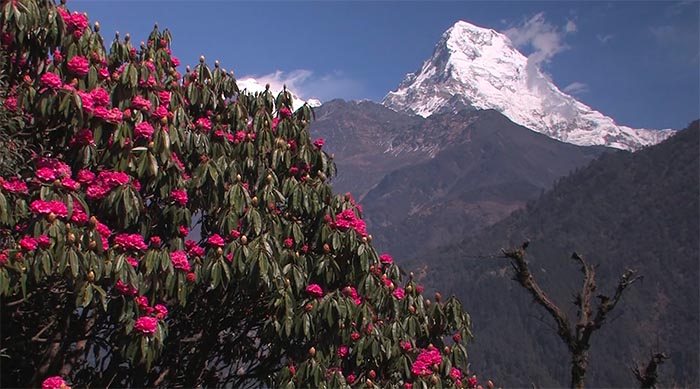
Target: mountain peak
{"type": "Point", "coordinates": [474, 67]}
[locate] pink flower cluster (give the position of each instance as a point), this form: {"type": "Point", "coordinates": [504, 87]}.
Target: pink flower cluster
{"type": "Point", "coordinates": [83, 137]}
{"type": "Point", "coordinates": [146, 325]}
{"type": "Point", "coordinates": [41, 207]}
{"type": "Point", "coordinates": [342, 351]}
{"type": "Point", "coordinates": [193, 249]}
{"type": "Point", "coordinates": [285, 112]}
{"type": "Point", "coordinates": [160, 112]}
{"type": "Point", "coordinates": [51, 167]}
{"type": "Point", "coordinates": [216, 240]}
{"type": "Point", "coordinates": [318, 143]}
{"type": "Point", "coordinates": [143, 130]}
{"type": "Point", "coordinates": [426, 359]}
{"type": "Point", "coordinates": [125, 289]}
{"type": "Point", "coordinates": [399, 293]}
{"type": "Point", "coordinates": [140, 103]}
{"type": "Point", "coordinates": [130, 242]}
{"type": "Point", "coordinates": [351, 292]}
{"type": "Point", "coordinates": [347, 219]}
{"type": "Point", "coordinates": [27, 243]}
{"type": "Point", "coordinates": [204, 124]}
{"type": "Point", "coordinates": [113, 115]}
{"type": "Point", "coordinates": [106, 180]}
{"type": "Point", "coordinates": [179, 260]}
{"type": "Point", "coordinates": [100, 97]}
{"type": "Point", "coordinates": [54, 382]}
{"type": "Point", "coordinates": [386, 259]}
{"type": "Point", "coordinates": [179, 196]}
{"type": "Point", "coordinates": [314, 290]}
{"type": "Point", "coordinates": [51, 80]}
{"type": "Point", "coordinates": [15, 186]}
{"type": "Point", "coordinates": [455, 374]}
{"type": "Point", "coordinates": [79, 66]}
{"type": "Point", "coordinates": [74, 22]}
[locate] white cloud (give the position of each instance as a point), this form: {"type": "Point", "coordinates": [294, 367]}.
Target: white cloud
{"type": "Point", "coordinates": [576, 88]}
{"type": "Point", "coordinates": [544, 39]}
{"type": "Point", "coordinates": [307, 85]}
{"type": "Point", "coordinates": [604, 38]}
{"type": "Point", "coordinates": [570, 26]}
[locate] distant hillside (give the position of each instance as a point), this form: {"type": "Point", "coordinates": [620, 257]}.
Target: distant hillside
{"type": "Point", "coordinates": [487, 168]}
{"type": "Point", "coordinates": [438, 177]}
{"type": "Point", "coordinates": [625, 210]}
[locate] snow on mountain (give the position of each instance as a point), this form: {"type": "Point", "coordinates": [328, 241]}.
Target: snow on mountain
{"type": "Point", "coordinates": [252, 85]}
{"type": "Point", "coordinates": [478, 68]}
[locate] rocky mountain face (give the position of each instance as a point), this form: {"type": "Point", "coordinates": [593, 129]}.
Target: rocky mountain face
{"type": "Point", "coordinates": [478, 68]}
{"type": "Point", "coordinates": [624, 210]}
{"type": "Point", "coordinates": [438, 177]}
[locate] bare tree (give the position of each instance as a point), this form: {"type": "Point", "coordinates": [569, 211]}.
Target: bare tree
{"type": "Point", "coordinates": [647, 375]}
{"type": "Point", "coordinates": [576, 337]}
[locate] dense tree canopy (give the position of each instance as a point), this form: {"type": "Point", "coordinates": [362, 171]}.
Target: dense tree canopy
{"type": "Point", "coordinates": [170, 230]}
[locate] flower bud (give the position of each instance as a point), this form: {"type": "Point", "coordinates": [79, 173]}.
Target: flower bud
{"type": "Point", "coordinates": [312, 352]}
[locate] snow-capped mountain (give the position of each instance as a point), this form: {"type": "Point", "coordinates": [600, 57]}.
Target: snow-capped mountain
{"type": "Point", "coordinates": [479, 68]}
{"type": "Point", "coordinates": [252, 85]}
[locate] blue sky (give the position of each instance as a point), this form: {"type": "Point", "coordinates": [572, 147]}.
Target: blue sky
{"type": "Point", "coordinates": [637, 62]}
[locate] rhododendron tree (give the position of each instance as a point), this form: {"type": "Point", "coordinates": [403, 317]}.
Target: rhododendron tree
{"type": "Point", "coordinates": [172, 230]}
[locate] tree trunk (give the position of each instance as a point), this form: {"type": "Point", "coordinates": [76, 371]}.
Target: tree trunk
{"type": "Point", "coordinates": [579, 364]}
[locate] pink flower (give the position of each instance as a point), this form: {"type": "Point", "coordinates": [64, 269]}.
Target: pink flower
{"type": "Point", "coordinates": [318, 143]}
{"type": "Point", "coordinates": [235, 234]}
{"type": "Point", "coordinates": [399, 293]}
{"type": "Point", "coordinates": [426, 359]}
{"type": "Point", "coordinates": [146, 325]}
{"type": "Point", "coordinates": [112, 179]}
{"type": "Point", "coordinates": [455, 374]}
{"type": "Point", "coordinates": [130, 242]}
{"type": "Point", "coordinates": [351, 292]}
{"type": "Point", "coordinates": [103, 73]}
{"type": "Point", "coordinates": [103, 230]}
{"type": "Point", "coordinates": [347, 219]}
{"type": "Point", "coordinates": [385, 258]}
{"type": "Point", "coordinates": [204, 123]}
{"type": "Point", "coordinates": [164, 97]}
{"type": "Point", "coordinates": [41, 207]}
{"type": "Point", "coordinates": [457, 337]}
{"type": "Point", "coordinates": [191, 277]}
{"type": "Point", "coordinates": [11, 103]}
{"type": "Point", "coordinates": [342, 351]}
{"type": "Point", "coordinates": [175, 61]}
{"type": "Point", "coordinates": [51, 80]}
{"type": "Point", "coordinates": [79, 215]}
{"type": "Point", "coordinates": [87, 101]}
{"type": "Point", "coordinates": [149, 83]}
{"type": "Point", "coordinates": [125, 289]}
{"type": "Point", "coordinates": [161, 311]}
{"type": "Point", "coordinates": [83, 137]}
{"type": "Point", "coordinates": [132, 261]}
{"type": "Point", "coordinates": [285, 112]}
{"type": "Point", "coordinates": [141, 301]}
{"type": "Point", "coordinates": [355, 336]}
{"type": "Point", "coordinates": [160, 112]}
{"type": "Point", "coordinates": [288, 243]}
{"type": "Point", "coordinates": [85, 176]}
{"type": "Point", "coordinates": [28, 243]}
{"type": "Point", "coordinates": [405, 346]}
{"type": "Point", "coordinates": [113, 115]}
{"type": "Point", "coordinates": [350, 378]}
{"type": "Point", "coordinates": [275, 122]}
{"type": "Point", "coordinates": [143, 130]}
{"type": "Point", "coordinates": [183, 230]}
{"type": "Point", "coordinates": [179, 196]}
{"type": "Point", "coordinates": [100, 97]}
{"type": "Point", "coordinates": [96, 192]}
{"type": "Point", "coordinates": [179, 260]}
{"type": "Point", "coordinates": [15, 186]}
{"type": "Point", "coordinates": [472, 381]}
{"type": "Point", "coordinates": [78, 65]}
{"type": "Point", "coordinates": [216, 240]}
{"type": "Point", "coordinates": [140, 103]}
{"type": "Point", "coordinates": [54, 382]}
{"type": "Point", "coordinates": [314, 290]}
{"type": "Point", "coordinates": [70, 184]}
{"type": "Point", "coordinates": [408, 385]}
{"type": "Point", "coordinates": [155, 241]}
{"type": "Point", "coordinates": [45, 174]}
{"type": "Point", "coordinates": [44, 241]}
{"type": "Point", "coordinates": [419, 289]}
